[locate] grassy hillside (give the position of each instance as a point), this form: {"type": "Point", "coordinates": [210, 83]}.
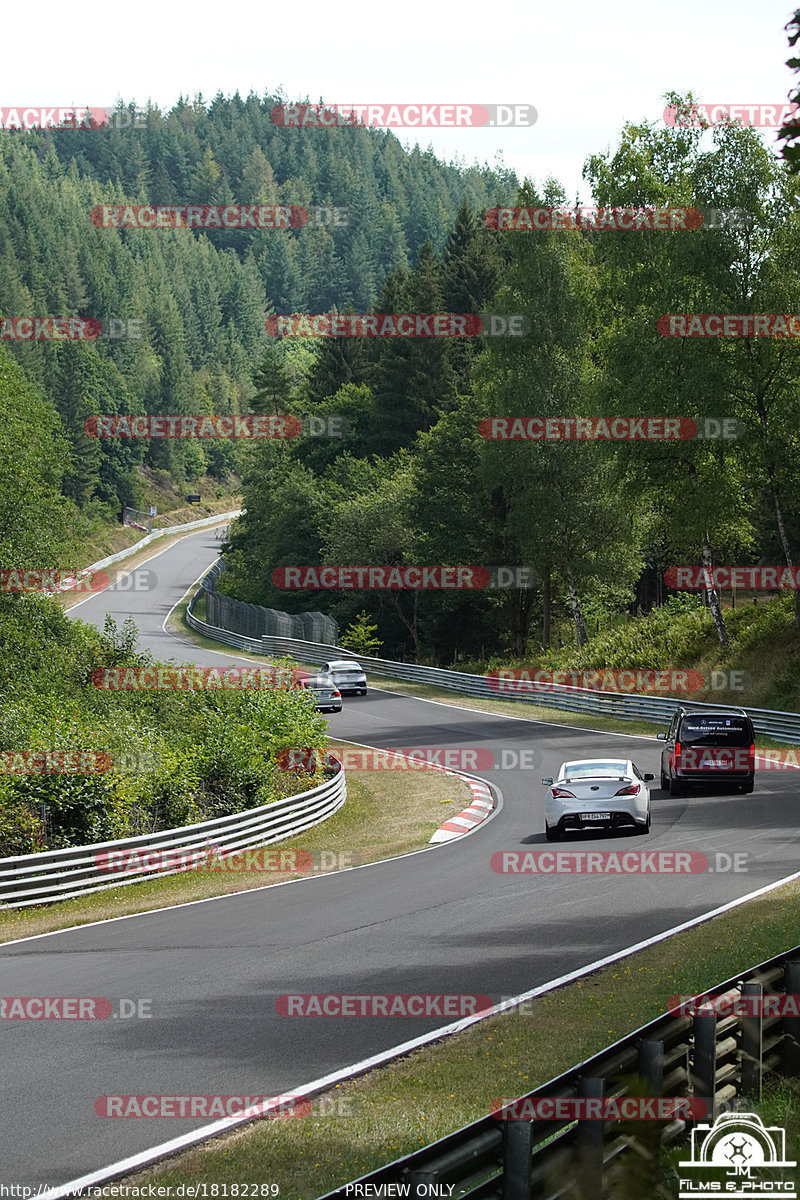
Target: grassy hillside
{"type": "Point", "coordinates": [764, 644]}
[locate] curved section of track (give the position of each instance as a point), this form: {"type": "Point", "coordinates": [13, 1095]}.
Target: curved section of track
{"type": "Point", "coordinates": [438, 921]}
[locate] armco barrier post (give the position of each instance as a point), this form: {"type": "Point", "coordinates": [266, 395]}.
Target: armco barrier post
{"type": "Point", "coordinates": [752, 1042]}
{"type": "Point", "coordinates": [517, 1160]}
{"type": "Point", "coordinates": [703, 1074]}
{"type": "Point", "coordinates": [651, 1065]}
{"type": "Point", "coordinates": [426, 1181]}
{"type": "Point", "coordinates": [589, 1144]}
{"type": "Point", "coordinates": [644, 1137]}
{"type": "Point", "coordinates": [790, 1051]}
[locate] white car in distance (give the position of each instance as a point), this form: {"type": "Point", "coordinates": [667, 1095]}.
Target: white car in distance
{"type": "Point", "coordinates": [592, 793]}
{"type": "Point", "coordinates": [347, 674]}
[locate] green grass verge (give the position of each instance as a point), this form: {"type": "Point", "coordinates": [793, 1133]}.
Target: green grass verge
{"type": "Point", "coordinates": [764, 644]}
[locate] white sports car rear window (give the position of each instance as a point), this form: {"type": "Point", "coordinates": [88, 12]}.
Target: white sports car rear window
{"type": "Point", "coordinates": [592, 770]}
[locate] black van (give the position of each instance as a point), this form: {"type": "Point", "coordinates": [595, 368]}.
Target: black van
{"type": "Point", "coordinates": [717, 746]}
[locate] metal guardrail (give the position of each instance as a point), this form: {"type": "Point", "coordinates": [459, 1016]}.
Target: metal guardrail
{"type": "Point", "coordinates": [782, 726]}
{"type": "Point", "coordinates": [708, 1057]}
{"type": "Point", "coordinates": [81, 870]}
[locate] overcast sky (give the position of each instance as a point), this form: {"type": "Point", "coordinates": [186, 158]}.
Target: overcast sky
{"type": "Point", "coordinates": [586, 67]}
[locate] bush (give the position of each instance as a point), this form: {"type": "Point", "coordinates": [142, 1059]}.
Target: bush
{"type": "Point", "coordinates": [361, 636]}
{"type": "Point", "coordinates": [177, 757]}
{"type": "Point", "coordinates": [21, 831]}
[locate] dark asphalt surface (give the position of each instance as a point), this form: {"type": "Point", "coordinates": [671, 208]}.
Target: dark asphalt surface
{"type": "Point", "coordinates": [437, 922]}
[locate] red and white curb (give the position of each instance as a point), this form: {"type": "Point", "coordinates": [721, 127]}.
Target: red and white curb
{"type": "Point", "coordinates": [69, 582]}
{"type": "Point", "coordinates": [482, 805]}
{"type": "Point", "coordinates": [482, 801]}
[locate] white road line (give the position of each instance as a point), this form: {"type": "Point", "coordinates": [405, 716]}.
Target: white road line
{"type": "Point", "coordinates": [325, 1082]}
{"type": "Point", "coordinates": [153, 557]}
{"type": "Point", "coordinates": [126, 1166]}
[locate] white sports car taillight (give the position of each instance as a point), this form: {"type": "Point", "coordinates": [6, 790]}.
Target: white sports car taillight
{"type": "Point", "coordinates": [631, 790]}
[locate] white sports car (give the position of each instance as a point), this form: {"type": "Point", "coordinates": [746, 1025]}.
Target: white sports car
{"type": "Point", "coordinates": [347, 674]}
{"type": "Point", "coordinates": [591, 793]}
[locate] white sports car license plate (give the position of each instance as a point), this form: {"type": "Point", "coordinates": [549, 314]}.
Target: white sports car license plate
{"type": "Point", "coordinates": [595, 816]}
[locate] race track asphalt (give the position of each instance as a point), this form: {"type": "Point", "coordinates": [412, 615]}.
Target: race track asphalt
{"type": "Point", "coordinates": [439, 921]}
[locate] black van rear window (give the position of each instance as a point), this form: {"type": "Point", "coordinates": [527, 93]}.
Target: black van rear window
{"type": "Point", "coordinates": [716, 731]}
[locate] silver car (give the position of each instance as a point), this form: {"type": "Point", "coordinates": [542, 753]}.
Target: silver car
{"type": "Point", "coordinates": [347, 675]}
{"type": "Point", "coordinates": [327, 697]}
{"type": "Point", "coordinates": [591, 793]}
